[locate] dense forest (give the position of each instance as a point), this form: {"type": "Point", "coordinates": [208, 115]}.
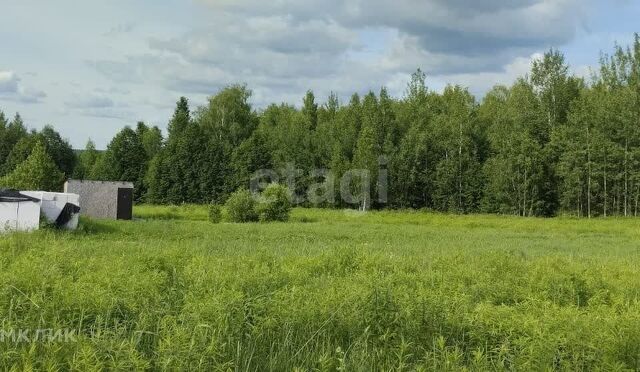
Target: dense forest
{"type": "Point", "coordinates": [550, 144]}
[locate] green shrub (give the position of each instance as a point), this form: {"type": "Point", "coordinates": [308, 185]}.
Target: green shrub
{"type": "Point", "coordinates": [215, 213]}
{"type": "Point", "coordinates": [241, 207]}
{"type": "Point", "coordinates": [274, 203]}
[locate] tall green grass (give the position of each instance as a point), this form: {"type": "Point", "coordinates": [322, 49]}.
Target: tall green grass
{"type": "Point", "coordinates": [328, 291]}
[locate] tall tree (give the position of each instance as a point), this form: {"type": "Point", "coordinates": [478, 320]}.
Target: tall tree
{"type": "Point", "coordinates": [252, 155]}
{"type": "Point", "coordinates": [366, 159]}
{"type": "Point", "coordinates": [181, 118]}
{"type": "Point", "coordinates": [167, 170]}
{"type": "Point", "coordinates": [20, 152]}
{"type": "Point", "coordinates": [390, 132]}
{"type": "Point", "coordinates": [86, 161]}
{"type": "Point", "coordinates": [59, 149]}
{"type": "Point", "coordinates": [124, 160]}
{"type": "Point", "coordinates": [12, 134]}
{"type": "Point", "coordinates": [38, 172]}
{"type": "Point", "coordinates": [457, 179]}
{"type": "Point", "coordinates": [152, 141]}
{"type": "Point", "coordinates": [413, 164]}
{"type": "Point", "coordinates": [229, 115]}
{"type": "Point", "coordinates": [514, 169]}
{"type": "Point", "coordinates": [180, 171]}
{"type": "Point", "coordinates": [310, 109]}
{"type": "Point", "coordinates": [556, 90]}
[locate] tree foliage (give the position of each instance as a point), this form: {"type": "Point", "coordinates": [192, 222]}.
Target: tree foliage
{"type": "Point", "coordinates": [37, 172]}
{"type": "Point", "coordinates": [124, 160]}
{"type": "Point", "coordinates": [550, 143]}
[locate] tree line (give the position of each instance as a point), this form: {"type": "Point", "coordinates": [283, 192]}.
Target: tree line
{"type": "Point", "coordinates": [551, 143]}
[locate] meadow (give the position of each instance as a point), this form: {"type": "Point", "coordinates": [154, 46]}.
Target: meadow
{"type": "Point", "coordinates": [328, 291]}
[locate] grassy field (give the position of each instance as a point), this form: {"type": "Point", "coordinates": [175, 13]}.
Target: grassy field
{"type": "Point", "coordinates": [330, 290]}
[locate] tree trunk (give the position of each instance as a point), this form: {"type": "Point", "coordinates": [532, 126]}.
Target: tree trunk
{"type": "Point", "coordinates": [580, 202]}
{"type": "Point", "coordinates": [605, 184]}
{"type": "Point", "coordinates": [588, 175]}
{"type": "Point", "coordinates": [524, 196]}
{"type": "Point", "coordinates": [635, 211]}
{"type": "Point", "coordinates": [626, 173]}
{"type": "Point", "coordinates": [460, 167]}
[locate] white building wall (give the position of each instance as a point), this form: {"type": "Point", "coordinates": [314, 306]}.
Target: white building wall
{"type": "Point", "coordinates": [22, 216]}
{"type": "Point", "coordinates": [52, 204]}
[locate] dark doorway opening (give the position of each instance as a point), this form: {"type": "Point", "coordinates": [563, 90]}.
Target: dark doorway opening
{"type": "Point", "coordinates": [125, 204]}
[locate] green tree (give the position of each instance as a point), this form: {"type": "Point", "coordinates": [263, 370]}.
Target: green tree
{"type": "Point", "coordinates": [20, 152]}
{"type": "Point", "coordinates": [390, 133]}
{"type": "Point", "coordinates": [555, 88]}
{"type": "Point", "coordinates": [59, 149]}
{"type": "Point", "coordinates": [152, 141]}
{"type": "Point", "coordinates": [167, 178]}
{"type": "Point", "coordinates": [124, 160]}
{"type": "Point", "coordinates": [411, 171]}
{"type": "Point", "coordinates": [618, 110]}
{"type": "Point", "coordinates": [151, 138]}
{"type": "Point", "coordinates": [11, 135]}
{"type": "Point", "coordinates": [457, 181]}
{"type": "Point", "coordinates": [229, 116]}
{"type": "Point", "coordinates": [310, 110]}
{"type": "Point", "coordinates": [38, 172]}
{"type": "Point", "coordinates": [86, 161]}
{"type": "Point", "coordinates": [252, 155]}
{"type": "Point", "coordinates": [212, 170]}
{"type": "Point", "coordinates": [514, 169]}
{"type": "Point", "coordinates": [181, 118]}
{"type": "Point", "coordinates": [413, 164]}
{"type": "Point", "coordinates": [339, 165]}
{"type": "Point", "coordinates": [366, 159]}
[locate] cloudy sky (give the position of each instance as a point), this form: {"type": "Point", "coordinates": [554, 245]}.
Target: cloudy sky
{"type": "Point", "coordinates": [91, 67]}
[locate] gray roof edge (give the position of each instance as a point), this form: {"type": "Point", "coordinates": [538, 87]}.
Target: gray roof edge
{"type": "Point", "coordinates": [118, 183]}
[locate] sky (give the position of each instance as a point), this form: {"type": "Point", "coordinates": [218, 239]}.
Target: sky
{"type": "Point", "coordinates": [91, 67]}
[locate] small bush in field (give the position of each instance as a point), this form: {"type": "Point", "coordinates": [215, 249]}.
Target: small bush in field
{"type": "Point", "coordinates": [241, 207]}
{"type": "Point", "coordinates": [215, 213]}
{"type": "Point", "coordinates": [274, 203]}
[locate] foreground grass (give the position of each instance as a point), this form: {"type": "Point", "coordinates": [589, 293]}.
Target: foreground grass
{"type": "Point", "coordinates": [331, 290]}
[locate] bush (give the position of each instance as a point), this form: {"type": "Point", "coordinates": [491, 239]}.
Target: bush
{"type": "Point", "coordinates": [241, 207]}
{"type": "Point", "coordinates": [215, 213]}
{"type": "Point", "coordinates": [274, 203]}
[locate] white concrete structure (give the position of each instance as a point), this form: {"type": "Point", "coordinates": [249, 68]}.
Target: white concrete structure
{"type": "Point", "coordinates": [18, 214]}
{"type": "Point", "coordinates": [52, 207]}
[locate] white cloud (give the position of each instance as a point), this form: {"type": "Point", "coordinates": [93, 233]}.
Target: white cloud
{"type": "Point", "coordinates": [456, 27]}
{"type": "Point", "coordinates": [12, 89]}
{"type": "Point", "coordinates": [98, 105]}
{"type": "Point", "coordinates": [282, 48]}
{"type": "Point", "coordinates": [8, 82]}
{"type": "Point", "coordinates": [279, 48]}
